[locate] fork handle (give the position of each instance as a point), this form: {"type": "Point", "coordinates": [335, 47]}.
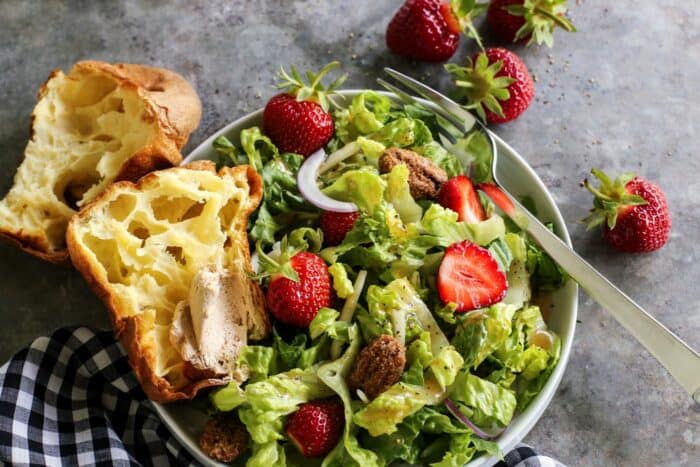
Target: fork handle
{"type": "Point", "coordinates": [675, 355]}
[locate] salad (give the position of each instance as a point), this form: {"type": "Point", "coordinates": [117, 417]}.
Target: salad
{"type": "Point", "coordinates": [427, 336]}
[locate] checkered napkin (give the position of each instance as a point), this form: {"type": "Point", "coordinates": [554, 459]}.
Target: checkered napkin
{"type": "Point", "coordinates": [71, 399]}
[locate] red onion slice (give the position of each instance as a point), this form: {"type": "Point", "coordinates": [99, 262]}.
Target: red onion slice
{"type": "Point", "coordinates": [454, 410]}
{"type": "Point", "coordinates": [308, 186]}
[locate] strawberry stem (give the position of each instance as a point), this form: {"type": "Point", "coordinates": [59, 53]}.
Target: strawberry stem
{"type": "Point", "coordinates": [311, 89]}
{"type": "Point", "coordinates": [609, 198]}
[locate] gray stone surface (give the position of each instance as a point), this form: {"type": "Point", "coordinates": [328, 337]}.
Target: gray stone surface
{"type": "Point", "coordinates": [621, 94]}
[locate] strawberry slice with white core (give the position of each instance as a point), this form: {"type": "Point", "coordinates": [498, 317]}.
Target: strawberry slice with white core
{"type": "Point", "coordinates": [470, 277]}
{"type": "Point", "coordinates": [459, 195]}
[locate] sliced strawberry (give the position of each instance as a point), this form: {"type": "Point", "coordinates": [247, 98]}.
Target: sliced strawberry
{"type": "Point", "coordinates": [497, 196]}
{"type": "Point", "coordinates": [470, 277]}
{"type": "Point", "coordinates": [458, 194]}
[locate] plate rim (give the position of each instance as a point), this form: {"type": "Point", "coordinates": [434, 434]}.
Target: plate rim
{"type": "Point", "coordinates": [527, 419]}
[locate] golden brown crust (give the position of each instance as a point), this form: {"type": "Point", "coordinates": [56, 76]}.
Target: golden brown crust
{"type": "Point", "coordinates": [170, 100]}
{"type": "Point", "coordinates": [140, 348]}
{"type": "Point", "coordinates": [35, 246]}
{"type": "Point", "coordinates": [176, 103]}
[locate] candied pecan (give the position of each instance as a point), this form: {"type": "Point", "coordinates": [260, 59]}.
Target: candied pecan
{"type": "Point", "coordinates": [224, 438]}
{"type": "Point", "coordinates": [379, 365]}
{"type": "Point", "coordinates": [425, 177]}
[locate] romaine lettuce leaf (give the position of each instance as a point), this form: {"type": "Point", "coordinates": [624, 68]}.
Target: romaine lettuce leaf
{"type": "Point", "coordinates": [227, 398]}
{"type": "Point", "coordinates": [326, 322]}
{"type": "Point", "coordinates": [442, 224]}
{"type": "Point", "coordinates": [406, 442]}
{"type": "Point", "coordinates": [441, 157]}
{"type": "Point", "coordinates": [487, 231]}
{"type": "Point", "coordinates": [544, 272]}
{"type": "Point", "coordinates": [386, 411]}
{"type": "Point", "coordinates": [403, 132]}
{"type": "Point", "coordinates": [366, 114]}
{"type": "Point", "coordinates": [259, 359]}
{"type": "Point", "coordinates": [362, 187]}
{"type": "Point", "coordinates": [267, 454]}
{"type": "Point", "coordinates": [481, 333]}
{"type": "Point", "coordinates": [446, 365]}
{"type": "Point", "coordinates": [487, 403]}
{"type": "Point", "coordinates": [269, 400]}
{"type": "Point", "coordinates": [418, 357]}
{"type": "Point", "coordinates": [258, 148]}
{"type": "Point", "coordinates": [333, 374]}
{"type": "Point", "coordinates": [341, 283]}
{"type": "Point", "coordinates": [399, 194]}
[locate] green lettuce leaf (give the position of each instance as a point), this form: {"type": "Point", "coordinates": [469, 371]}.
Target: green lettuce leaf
{"type": "Point", "coordinates": [459, 451]}
{"type": "Point", "coordinates": [289, 352]}
{"type": "Point", "coordinates": [269, 400]}
{"type": "Point", "coordinates": [487, 231]}
{"type": "Point", "coordinates": [259, 359]}
{"type": "Point", "coordinates": [362, 187]}
{"type": "Point", "coordinates": [258, 148]}
{"type": "Point", "coordinates": [383, 415]}
{"type": "Point", "coordinates": [341, 283]}
{"type": "Point", "coordinates": [333, 374]}
{"type": "Point", "coordinates": [403, 132]}
{"type": "Point", "coordinates": [446, 366]}
{"type": "Point", "coordinates": [441, 223]}
{"type": "Point", "coordinates": [406, 442]}
{"type": "Point", "coordinates": [267, 454]}
{"type": "Point", "coordinates": [441, 157]}
{"type": "Point", "coordinates": [399, 194]}
{"type": "Point", "coordinates": [227, 398]}
{"type": "Point", "coordinates": [326, 322]}
{"type": "Point", "coordinates": [366, 114]}
{"type": "Point", "coordinates": [480, 334]}
{"type": "Point", "coordinates": [418, 357]}
{"type": "Point", "coordinates": [545, 274]}
{"type": "Point", "coordinates": [474, 152]}
{"type": "Point", "coordinates": [487, 403]}
{"type": "Point", "coordinates": [399, 297]}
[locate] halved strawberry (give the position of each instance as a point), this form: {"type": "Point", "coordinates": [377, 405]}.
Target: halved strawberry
{"type": "Point", "coordinates": [470, 277]}
{"type": "Point", "coordinates": [458, 194]}
{"type": "Point", "coordinates": [497, 196]}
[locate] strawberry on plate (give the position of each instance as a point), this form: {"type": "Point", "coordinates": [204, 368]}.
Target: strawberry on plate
{"type": "Point", "coordinates": [315, 428]}
{"type": "Point", "coordinates": [470, 277]}
{"type": "Point", "coordinates": [459, 195]}
{"type": "Point", "coordinates": [429, 30]}
{"type": "Point", "coordinates": [336, 225]}
{"type": "Point", "coordinates": [633, 211]}
{"type": "Point", "coordinates": [297, 120]}
{"type": "Point", "coordinates": [531, 21]}
{"type": "Point", "coordinates": [298, 288]}
{"type": "Point", "coordinates": [495, 83]}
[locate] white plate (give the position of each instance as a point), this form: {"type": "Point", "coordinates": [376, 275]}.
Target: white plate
{"type": "Point", "coordinates": [186, 422]}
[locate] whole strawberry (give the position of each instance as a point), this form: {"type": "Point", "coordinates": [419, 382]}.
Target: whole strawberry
{"type": "Point", "coordinates": [299, 288]}
{"type": "Point", "coordinates": [527, 20]}
{"type": "Point", "coordinates": [429, 30]}
{"type": "Point", "coordinates": [495, 83]}
{"type": "Point", "coordinates": [297, 120]}
{"type": "Point", "coordinates": [633, 212]}
{"type": "Point", "coordinates": [336, 225]}
{"type": "Point", "coordinates": [315, 428]}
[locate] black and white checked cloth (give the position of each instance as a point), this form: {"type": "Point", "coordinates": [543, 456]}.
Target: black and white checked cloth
{"type": "Point", "coordinates": [71, 399]}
